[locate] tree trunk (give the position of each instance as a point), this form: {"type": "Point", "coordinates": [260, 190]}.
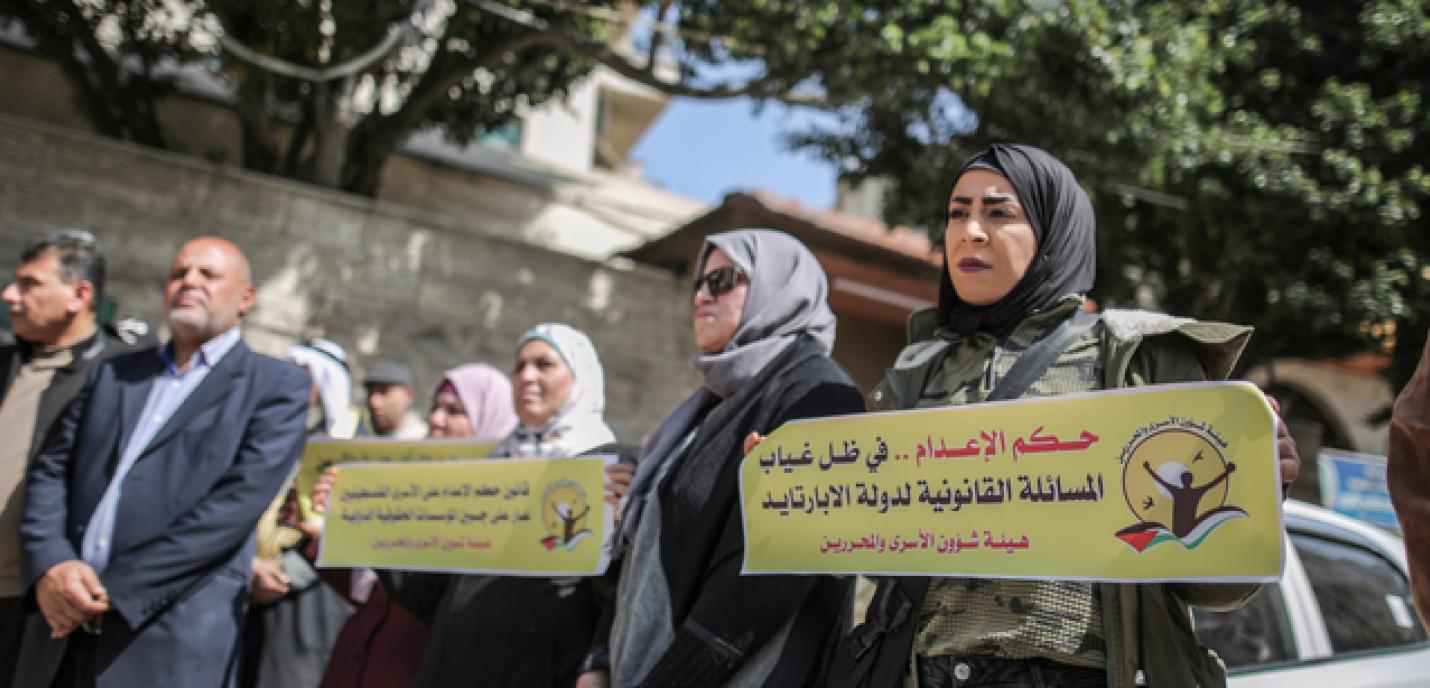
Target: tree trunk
{"type": "Point", "coordinates": [259, 145]}
{"type": "Point", "coordinates": [367, 154]}
{"type": "Point", "coordinates": [332, 125]}
{"type": "Point", "coordinates": [293, 159]}
{"type": "Point", "coordinates": [139, 108]}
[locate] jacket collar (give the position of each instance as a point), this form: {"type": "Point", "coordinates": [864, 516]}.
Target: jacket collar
{"type": "Point", "coordinates": [226, 371]}
{"type": "Point", "coordinates": [82, 352]}
{"type": "Point", "coordinates": [209, 353]}
{"type": "Point", "coordinates": [923, 323]}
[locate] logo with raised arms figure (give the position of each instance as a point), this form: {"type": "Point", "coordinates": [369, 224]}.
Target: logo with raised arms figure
{"type": "Point", "coordinates": [565, 511]}
{"type": "Point", "coordinates": [1176, 480]}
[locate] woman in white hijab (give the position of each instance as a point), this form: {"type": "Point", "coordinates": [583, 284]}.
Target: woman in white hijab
{"type": "Point", "coordinates": [559, 389]}
{"type": "Point", "coordinates": [519, 632]}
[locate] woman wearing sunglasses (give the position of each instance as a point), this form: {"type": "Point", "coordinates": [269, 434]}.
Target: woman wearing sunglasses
{"type": "Point", "coordinates": [684, 615]}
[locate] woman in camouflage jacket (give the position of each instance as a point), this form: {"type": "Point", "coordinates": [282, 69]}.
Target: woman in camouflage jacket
{"type": "Point", "coordinates": [1020, 249]}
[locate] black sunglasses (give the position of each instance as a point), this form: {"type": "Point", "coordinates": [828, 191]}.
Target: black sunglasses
{"type": "Point", "coordinates": [720, 280]}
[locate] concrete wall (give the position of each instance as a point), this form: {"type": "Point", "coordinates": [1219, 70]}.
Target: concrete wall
{"type": "Point", "coordinates": [548, 194]}
{"type": "Point", "coordinates": [380, 278]}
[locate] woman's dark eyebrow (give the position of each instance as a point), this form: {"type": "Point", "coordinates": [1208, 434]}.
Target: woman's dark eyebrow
{"type": "Point", "coordinates": [988, 199]}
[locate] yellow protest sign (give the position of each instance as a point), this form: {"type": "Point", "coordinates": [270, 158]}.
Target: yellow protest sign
{"type": "Point", "coordinates": [534, 517]}
{"type": "Point", "coordinates": [318, 454]}
{"type": "Point", "coordinates": [1162, 483]}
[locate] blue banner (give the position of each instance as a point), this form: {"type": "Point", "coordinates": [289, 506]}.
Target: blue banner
{"type": "Point", "coordinates": [1354, 485]}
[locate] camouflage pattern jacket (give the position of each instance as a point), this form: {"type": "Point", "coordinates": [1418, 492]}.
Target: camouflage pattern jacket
{"type": "Point", "coordinates": [1148, 627]}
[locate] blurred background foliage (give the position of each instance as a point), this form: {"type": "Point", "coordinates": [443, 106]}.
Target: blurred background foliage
{"type": "Point", "coordinates": [1256, 161]}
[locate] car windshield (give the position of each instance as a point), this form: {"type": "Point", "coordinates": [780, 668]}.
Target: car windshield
{"type": "Point", "coordinates": [1363, 597]}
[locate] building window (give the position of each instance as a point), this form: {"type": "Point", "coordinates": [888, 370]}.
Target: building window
{"type": "Point", "coordinates": [506, 137]}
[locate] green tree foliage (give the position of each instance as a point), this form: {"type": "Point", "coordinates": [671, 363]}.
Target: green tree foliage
{"type": "Point", "coordinates": [324, 89]}
{"type": "Point", "coordinates": [462, 68]}
{"type": "Point", "coordinates": [1258, 161]}
{"type": "Point", "coordinates": [1250, 160]}
{"type": "Point", "coordinates": [118, 58]}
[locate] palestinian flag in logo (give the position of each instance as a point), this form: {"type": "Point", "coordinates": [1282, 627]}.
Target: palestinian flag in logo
{"type": "Point", "coordinates": [1143, 536]}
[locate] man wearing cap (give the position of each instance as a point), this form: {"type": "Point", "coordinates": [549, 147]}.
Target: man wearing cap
{"type": "Point", "coordinates": [389, 402]}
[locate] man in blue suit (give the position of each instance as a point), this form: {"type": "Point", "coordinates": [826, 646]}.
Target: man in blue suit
{"type": "Point", "coordinates": [138, 528]}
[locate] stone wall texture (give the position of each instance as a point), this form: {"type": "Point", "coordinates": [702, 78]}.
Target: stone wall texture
{"type": "Point", "coordinates": [381, 279]}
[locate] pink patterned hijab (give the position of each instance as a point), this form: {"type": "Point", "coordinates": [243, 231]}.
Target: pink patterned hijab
{"type": "Point", "coordinates": [485, 394]}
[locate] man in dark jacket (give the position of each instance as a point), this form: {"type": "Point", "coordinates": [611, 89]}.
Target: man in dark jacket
{"type": "Point", "coordinates": [51, 301]}
{"type": "Point", "coordinates": [138, 527]}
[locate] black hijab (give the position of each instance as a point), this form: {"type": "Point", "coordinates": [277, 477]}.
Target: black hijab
{"type": "Point", "coordinates": [1063, 222]}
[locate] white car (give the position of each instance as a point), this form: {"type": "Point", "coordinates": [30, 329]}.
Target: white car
{"type": "Point", "coordinates": [1341, 616]}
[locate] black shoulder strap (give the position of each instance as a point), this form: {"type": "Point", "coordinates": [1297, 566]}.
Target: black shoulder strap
{"type": "Point", "coordinates": [1035, 360]}
{"type": "Point", "coordinates": [876, 652]}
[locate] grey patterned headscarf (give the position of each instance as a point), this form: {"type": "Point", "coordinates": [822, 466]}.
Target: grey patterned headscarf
{"type": "Point", "coordinates": [786, 298]}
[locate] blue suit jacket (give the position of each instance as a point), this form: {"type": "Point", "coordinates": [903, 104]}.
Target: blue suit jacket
{"type": "Point", "coordinates": [183, 535]}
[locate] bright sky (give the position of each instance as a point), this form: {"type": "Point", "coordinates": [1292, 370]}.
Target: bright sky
{"type": "Point", "coordinates": [705, 149]}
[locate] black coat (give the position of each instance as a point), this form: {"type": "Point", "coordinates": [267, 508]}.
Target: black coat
{"type": "Point", "coordinates": [499, 631]}
{"type": "Point", "coordinates": [719, 616]}
{"type": "Point", "coordinates": [504, 631]}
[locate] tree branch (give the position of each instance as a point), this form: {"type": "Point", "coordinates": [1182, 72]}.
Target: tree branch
{"type": "Point", "coordinates": [759, 88]}
{"type": "Point", "coordinates": [657, 33]}
{"type": "Point", "coordinates": [436, 82]}
{"type": "Point", "coordinates": [398, 33]}
{"type": "Point", "coordinates": [549, 35]}
{"type": "Point", "coordinates": [376, 135]}
{"type": "Point", "coordinates": [259, 146]}
{"type": "Point", "coordinates": [95, 77]}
